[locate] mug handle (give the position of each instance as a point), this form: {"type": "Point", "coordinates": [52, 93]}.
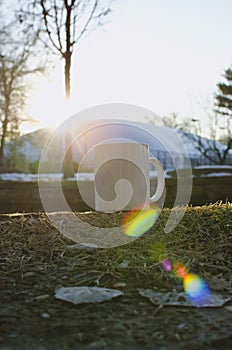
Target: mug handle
{"type": "Point", "coordinates": [160, 179]}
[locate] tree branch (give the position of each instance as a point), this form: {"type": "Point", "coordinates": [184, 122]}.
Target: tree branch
{"type": "Point", "coordinates": [87, 22]}
{"type": "Point", "coordinates": [57, 25]}
{"type": "Point", "coordinates": [45, 19]}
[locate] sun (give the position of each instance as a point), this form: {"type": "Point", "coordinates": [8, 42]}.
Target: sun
{"type": "Point", "coordinates": [47, 102]}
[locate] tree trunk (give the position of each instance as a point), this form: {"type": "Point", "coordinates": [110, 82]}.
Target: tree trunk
{"type": "Point", "coordinates": [68, 52]}
{"type": "Point", "coordinates": [3, 138]}
{"type": "Point", "coordinates": [68, 166]}
{"type": "Point", "coordinates": [67, 74]}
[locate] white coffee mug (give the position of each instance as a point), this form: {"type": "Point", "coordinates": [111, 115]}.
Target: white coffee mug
{"type": "Point", "coordinates": [122, 176]}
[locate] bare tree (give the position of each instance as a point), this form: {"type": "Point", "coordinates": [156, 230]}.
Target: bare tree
{"type": "Point", "coordinates": [174, 120]}
{"type": "Point", "coordinates": [211, 148]}
{"type": "Point", "coordinates": [192, 131]}
{"type": "Point", "coordinates": [15, 56]}
{"type": "Point", "coordinates": [65, 22]}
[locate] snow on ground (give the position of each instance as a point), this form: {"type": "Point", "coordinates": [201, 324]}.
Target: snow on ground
{"type": "Point", "coordinates": [81, 176]}
{"type": "Point", "coordinates": [216, 174]}
{"type": "Point", "coordinates": [210, 167]}
{"type": "Point", "coordinates": [44, 177]}
{"type": "Point", "coordinates": [53, 177]}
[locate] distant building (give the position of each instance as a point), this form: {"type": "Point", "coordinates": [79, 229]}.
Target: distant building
{"type": "Point", "coordinates": [172, 147]}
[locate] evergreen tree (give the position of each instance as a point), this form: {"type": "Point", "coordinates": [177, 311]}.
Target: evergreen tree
{"type": "Point", "coordinates": [223, 106]}
{"type": "Point", "coordinates": [223, 98]}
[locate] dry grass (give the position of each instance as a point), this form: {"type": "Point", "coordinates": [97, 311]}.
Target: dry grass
{"type": "Point", "coordinates": [202, 241]}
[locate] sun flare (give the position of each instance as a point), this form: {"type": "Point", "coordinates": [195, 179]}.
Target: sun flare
{"type": "Point", "coordinates": [48, 104]}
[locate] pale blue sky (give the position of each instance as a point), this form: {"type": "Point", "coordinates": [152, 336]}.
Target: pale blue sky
{"type": "Point", "coordinates": [165, 55]}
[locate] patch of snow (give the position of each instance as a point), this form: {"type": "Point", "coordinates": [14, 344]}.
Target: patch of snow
{"type": "Point", "coordinates": [89, 176]}
{"type": "Point", "coordinates": [18, 177]}
{"type": "Point", "coordinates": [216, 174]}
{"type": "Point", "coordinates": [213, 167]}
{"type": "Point", "coordinates": [82, 176]}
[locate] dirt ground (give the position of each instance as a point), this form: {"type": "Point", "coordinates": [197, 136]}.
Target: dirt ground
{"type": "Point", "coordinates": [36, 259]}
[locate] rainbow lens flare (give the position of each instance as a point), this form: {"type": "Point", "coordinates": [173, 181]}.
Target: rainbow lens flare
{"type": "Point", "coordinates": [166, 265]}
{"type": "Point", "coordinates": [138, 221]}
{"type": "Point", "coordinates": [180, 270]}
{"type": "Point", "coordinates": [196, 289]}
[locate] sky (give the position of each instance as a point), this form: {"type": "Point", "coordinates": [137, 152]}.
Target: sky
{"type": "Point", "coordinates": [164, 55]}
